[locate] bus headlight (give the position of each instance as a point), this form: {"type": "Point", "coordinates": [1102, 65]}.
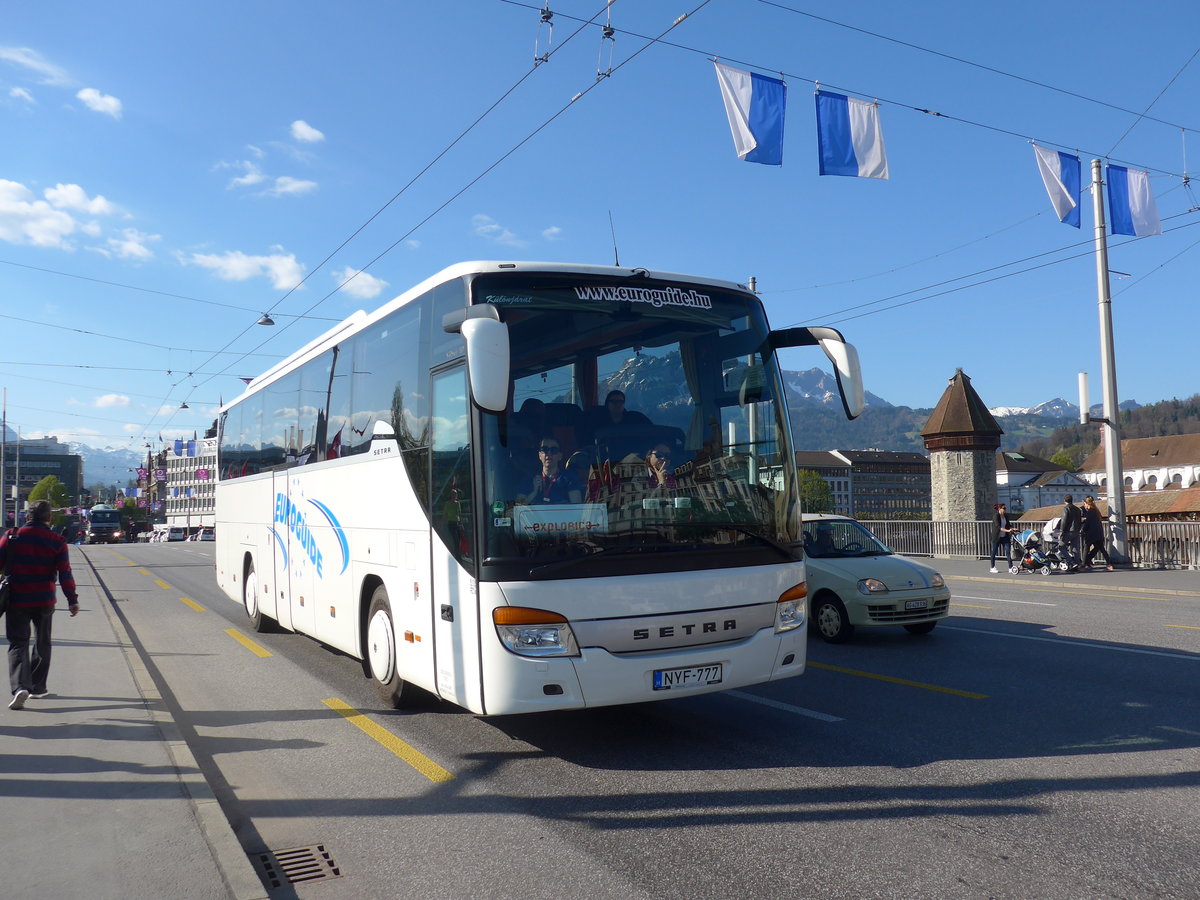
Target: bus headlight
{"type": "Point", "coordinates": [872, 586]}
{"type": "Point", "coordinates": [790, 608]}
{"type": "Point", "coordinates": [534, 632]}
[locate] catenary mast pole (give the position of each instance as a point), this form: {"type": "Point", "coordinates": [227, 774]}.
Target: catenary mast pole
{"type": "Point", "coordinates": [1114, 470]}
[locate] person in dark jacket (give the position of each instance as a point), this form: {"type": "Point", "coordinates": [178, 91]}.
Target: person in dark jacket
{"type": "Point", "coordinates": [1002, 531]}
{"type": "Point", "coordinates": [1071, 520]}
{"type": "Point", "coordinates": [1093, 535]}
{"type": "Point", "coordinates": [34, 557]}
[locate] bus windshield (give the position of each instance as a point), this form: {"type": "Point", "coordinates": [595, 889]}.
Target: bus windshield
{"type": "Point", "coordinates": [646, 431]}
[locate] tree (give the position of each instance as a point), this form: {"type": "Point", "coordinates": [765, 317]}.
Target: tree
{"type": "Point", "coordinates": [1063, 458]}
{"type": "Point", "coordinates": [815, 494]}
{"type": "Point", "coordinates": [50, 488]}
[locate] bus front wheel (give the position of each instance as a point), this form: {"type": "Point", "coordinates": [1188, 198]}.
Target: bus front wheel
{"type": "Point", "coordinates": [381, 653]}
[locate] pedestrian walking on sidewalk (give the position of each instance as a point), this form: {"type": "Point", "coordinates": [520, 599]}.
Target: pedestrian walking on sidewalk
{"type": "Point", "coordinates": [1093, 535]}
{"type": "Point", "coordinates": [1002, 531]}
{"type": "Point", "coordinates": [34, 557]}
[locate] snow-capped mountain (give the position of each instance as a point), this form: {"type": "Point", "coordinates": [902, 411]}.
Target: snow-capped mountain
{"type": "Point", "coordinates": [1058, 408]}
{"type": "Point", "coordinates": [815, 387]}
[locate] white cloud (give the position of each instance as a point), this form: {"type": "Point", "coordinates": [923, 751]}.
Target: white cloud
{"type": "Point", "coordinates": [20, 93]}
{"type": "Point", "coordinates": [487, 227]}
{"type": "Point", "coordinates": [302, 131]}
{"type": "Point", "coordinates": [101, 103]}
{"type": "Point", "coordinates": [283, 270]}
{"type": "Point", "coordinates": [132, 244]}
{"type": "Point", "coordinates": [553, 233]}
{"type": "Point", "coordinates": [286, 186]}
{"type": "Point", "coordinates": [25, 220]}
{"type": "Point", "coordinates": [362, 286]}
{"type": "Point", "coordinates": [75, 198]}
{"type": "Point", "coordinates": [108, 401]}
{"type": "Point", "coordinates": [32, 60]}
{"type": "Point", "coordinates": [251, 174]}
{"type": "Point", "coordinates": [412, 244]}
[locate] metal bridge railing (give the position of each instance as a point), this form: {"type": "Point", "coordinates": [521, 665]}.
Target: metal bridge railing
{"type": "Point", "coordinates": [1152, 545]}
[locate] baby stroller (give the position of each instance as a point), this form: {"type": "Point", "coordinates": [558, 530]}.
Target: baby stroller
{"type": "Point", "coordinates": [1037, 556]}
{"type": "Point", "coordinates": [1060, 555]}
{"type": "Point", "coordinates": [1033, 558]}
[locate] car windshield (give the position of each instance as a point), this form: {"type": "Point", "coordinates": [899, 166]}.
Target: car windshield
{"type": "Point", "coordinates": [832, 538]}
{"type": "Point", "coordinates": [644, 431]}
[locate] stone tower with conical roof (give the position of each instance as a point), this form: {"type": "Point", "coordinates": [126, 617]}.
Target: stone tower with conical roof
{"type": "Point", "coordinates": [962, 438]}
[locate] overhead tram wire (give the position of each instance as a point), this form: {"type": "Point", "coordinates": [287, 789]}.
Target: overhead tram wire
{"type": "Point", "coordinates": [537, 64]}
{"type": "Point", "coordinates": [144, 290]}
{"type": "Point", "coordinates": [879, 98]}
{"type": "Point", "coordinates": [1086, 253]}
{"type": "Point", "coordinates": [1143, 115]}
{"type": "Point", "coordinates": [650, 43]}
{"type": "Point", "coordinates": [967, 62]}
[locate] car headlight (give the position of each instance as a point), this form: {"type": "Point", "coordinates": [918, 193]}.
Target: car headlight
{"type": "Point", "coordinates": [938, 580]}
{"type": "Point", "coordinates": [534, 632]}
{"type": "Point", "coordinates": [872, 586]}
{"type": "Point", "coordinates": [790, 608]}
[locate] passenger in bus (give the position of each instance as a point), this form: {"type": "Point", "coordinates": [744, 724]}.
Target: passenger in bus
{"type": "Point", "coordinates": [552, 484]}
{"type": "Point", "coordinates": [614, 413]}
{"type": "Point", "coordinates": [658, 467]}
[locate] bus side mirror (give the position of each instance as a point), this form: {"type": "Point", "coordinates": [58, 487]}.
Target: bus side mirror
{"type": "Point", "coordinates": [846, 368]}
{"type": "Point", "coordinates": [487, 353]}
{"type": "Point", "coordinates": [487, 362]}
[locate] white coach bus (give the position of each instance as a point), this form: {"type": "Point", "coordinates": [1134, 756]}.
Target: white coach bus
{"type": "Point", "coordinates": [445, 489]}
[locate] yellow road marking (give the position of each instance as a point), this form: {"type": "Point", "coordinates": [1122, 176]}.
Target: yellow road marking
{"type": "Point", "coordinates": [143, 571]}
{"type": "Point", "coordinates": [904, 681]}
{"type": "Point", "coordinates": [192, 603]}
{"type": "Point", "coordinates": [1190, 627]}
{"type": "Point", "coordinates": [162, 584]}
{"type": "Point", "coordinates": [256, 649]}
{"type": "Point", "coordinates": [414, 758]}
{"type": "Point", "coordinates": [970, 606]}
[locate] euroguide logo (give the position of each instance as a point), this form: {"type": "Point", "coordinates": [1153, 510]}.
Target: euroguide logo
{"type": "Point", "coordinates": [301, 535]}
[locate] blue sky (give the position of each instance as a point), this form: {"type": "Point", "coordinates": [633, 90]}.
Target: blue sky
{"type": "Point", "coordinates": [171, 171]}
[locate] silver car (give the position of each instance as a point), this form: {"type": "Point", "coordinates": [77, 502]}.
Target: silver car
{"type": "Point", "coordinates": [854, 579]}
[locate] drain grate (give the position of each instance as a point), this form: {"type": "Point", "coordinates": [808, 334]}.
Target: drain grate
{"type": "Point", "coordinates": [298, 865]}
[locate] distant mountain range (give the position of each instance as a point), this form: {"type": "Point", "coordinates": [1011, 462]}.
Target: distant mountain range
{"type": "Point", "coordinates": [1058, 408]}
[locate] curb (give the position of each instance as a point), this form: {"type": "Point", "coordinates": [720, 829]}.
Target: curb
{"type": "Point", "coordinates": [232, 863]}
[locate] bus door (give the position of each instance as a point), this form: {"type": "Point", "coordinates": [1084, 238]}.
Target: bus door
{"type": "Point", "coordinates": [455, 601]}
{"type": "Point", "coordinates": [275, 602]}
{"type": "Point", "coordinates": [301, 576]}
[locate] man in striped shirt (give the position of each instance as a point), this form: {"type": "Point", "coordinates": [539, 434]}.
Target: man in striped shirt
{"type": "Point", "coordinates": [34, 557]}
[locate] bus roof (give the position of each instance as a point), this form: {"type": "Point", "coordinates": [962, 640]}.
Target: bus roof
{"type": "Point", "coordinates": [359, 319]}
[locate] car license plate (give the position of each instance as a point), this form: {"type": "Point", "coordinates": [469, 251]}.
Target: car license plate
{"type": "Point", "coordinates": [916, 604]}
{"type": "Point", "coordinates": [665, 679]}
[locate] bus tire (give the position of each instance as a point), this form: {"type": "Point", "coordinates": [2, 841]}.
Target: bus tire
{"type": "Point", "coordinates": [259, 621]}
{"type": "Point", "coordinates": [380, 653]}
{"type": "Point", "coordinates": [830, 619]}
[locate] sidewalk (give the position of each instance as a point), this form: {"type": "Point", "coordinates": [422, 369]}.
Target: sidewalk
{"type": "Point", "coordinates": [101, 797]}
{"type": "Point", "coordinates": [1179, 582]}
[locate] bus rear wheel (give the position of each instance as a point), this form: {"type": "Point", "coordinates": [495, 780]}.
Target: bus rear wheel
{"type": "Point", "coordinates": [381, 653]}
{"type": "Point", "coordinates": [259, 621]}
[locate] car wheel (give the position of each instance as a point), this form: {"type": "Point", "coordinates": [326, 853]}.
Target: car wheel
{"type": "Point", "coordinates": [830, 619]}
{"type": "Point", "coordinates": [259, 621]}
{"type": "Point", "coordinates": [920, 627]}
{"type": "Point", "coordinates": [381, 654]}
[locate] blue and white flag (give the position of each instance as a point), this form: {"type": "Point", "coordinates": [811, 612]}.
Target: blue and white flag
{"type": "Point", "coordinates": [1060, 173]}
{"type": "Point", "coordinates": [1131, 203]}
{"type": "Point", "coordinates": [849, 138]}
{"type": "Point", "coordinates": [754, 104]}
